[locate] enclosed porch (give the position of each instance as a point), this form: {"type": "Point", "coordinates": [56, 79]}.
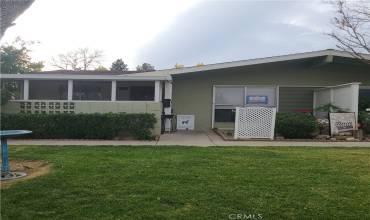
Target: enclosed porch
{"type": "Point", "coordinates": [306, 99]}
{"type": "Point", "coordinates": [41, 94]}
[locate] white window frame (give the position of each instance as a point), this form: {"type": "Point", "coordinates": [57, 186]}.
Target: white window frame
{"type": "Point", "coordinates": [277, 90]}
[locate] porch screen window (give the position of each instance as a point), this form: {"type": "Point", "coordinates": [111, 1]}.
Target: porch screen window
{"type": "Point", "coordinates": [135, 91]}
{"type": "Point", "coordinates": [92, 90]}
{"type": "Point", "coordinates": [227, 98]}
{"type": "Point", "coordinates": [14, 85]}
{"type": "Point", "coordinates": [48, 89]}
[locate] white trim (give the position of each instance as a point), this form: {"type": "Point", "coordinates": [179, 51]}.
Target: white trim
{"type": "Point", "coordinates": [26, 89]}
{"type": "Point", "coordinates": [168, 90]}
{"type": "Point", "coordinates": [157, 91]}
{"type": "Point", "coordinates": [213, 107]}
{"type": "Point", "coordinates": [277, 98]}
{"type": "Point", "coordinates": [340, 85]}
{"type": "Point", "coordinates": [70, 90]}
{"type": "Point", "coordinates": [45, 76]}
{"type": "Point", "coordinates": [245, 96]}
{"type": "Point", "coordinates": [64, 100]}
{"type": "Point", "coordinates": [303, 86]}
{"type": "Point", "coordinates": [355, 99]}
{"type": "Point", "coordinates": [236, 125]}
{"type": "Point", "coordinates": [113, 90]}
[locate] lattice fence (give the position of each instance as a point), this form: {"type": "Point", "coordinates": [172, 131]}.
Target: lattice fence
{"type": "Point", "coordinates": [254, 122]}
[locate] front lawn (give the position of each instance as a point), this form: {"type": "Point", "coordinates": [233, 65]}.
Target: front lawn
{"type": "Point", "coordinates": [192, 183]}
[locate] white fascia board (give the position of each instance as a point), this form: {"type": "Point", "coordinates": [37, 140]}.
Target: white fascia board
{"type": "Point", "coordinates": [341, 85]}
{"type": "Point", "coordinates": [83, 77]}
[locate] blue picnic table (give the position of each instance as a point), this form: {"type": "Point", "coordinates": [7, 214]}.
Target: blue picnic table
{"type": "Point", "coordinates": [5, 169]}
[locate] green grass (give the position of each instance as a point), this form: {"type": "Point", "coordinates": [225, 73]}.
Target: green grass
{"type": "Point", "coordinates": [192, 183]}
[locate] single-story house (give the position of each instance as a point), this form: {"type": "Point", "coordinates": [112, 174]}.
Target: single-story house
{"type": "Point", "coordinates": [209, 93]}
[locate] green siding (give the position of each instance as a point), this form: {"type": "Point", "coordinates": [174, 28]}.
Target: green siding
{"type": "Point", "coordinates": [294, 98]}
{"type": "Point", "coordinates": [192, 93]}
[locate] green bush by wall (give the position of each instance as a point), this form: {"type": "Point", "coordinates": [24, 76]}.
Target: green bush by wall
{"type": "Point", "coordinates": [82, 126]}
{"type": "Point", "coordinates": [364, 119]}
{"type": "Point", "coordinates": [296, 125]}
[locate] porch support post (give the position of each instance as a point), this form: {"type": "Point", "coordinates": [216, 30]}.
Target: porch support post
{"type": "Point", "coordinates": [114, 89]}
{"type": "Point", "coordinates": [26, 87]}
{"type": "Point", "coordinates": [70, 90]}
{"type": "Point", "coordinates": [168, 110]}
{"type": "Point", "coordinates": [168, 90]}
{"type": "Point", "coordinates": [355, 98]}
{"type": "Point", "coordinates": [157, 91]}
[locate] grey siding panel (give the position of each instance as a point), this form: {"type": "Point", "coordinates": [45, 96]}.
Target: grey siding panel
{"type": "Point", "coordinates": [294, 98]}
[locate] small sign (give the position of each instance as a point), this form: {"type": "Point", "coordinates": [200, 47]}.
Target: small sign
{"type": "Point", "coordinates": [340, 122]}
{"type": "Point", "coordinates": [185, 122]}
{"type": "Point", "coordinates": [257, 99]}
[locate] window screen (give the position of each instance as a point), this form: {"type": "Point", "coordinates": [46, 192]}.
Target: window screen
{"type": "Point", "coordinates": [224, 115]}
{"type": "Point", "coordinates": [135, 91]}
{"type": "Point", "coordinates": [229, 96]}
{"type": "Point", "coordinates": [48, 89]}
{"type": "Point", "coordinates": [260, 96]}
{"type": "Point", "coordinates": [92, 90]}
{"type": "Point", "coordinates": [16, 86]}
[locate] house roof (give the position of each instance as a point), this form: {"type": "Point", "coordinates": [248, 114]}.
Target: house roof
{"type": "Point", "coordinates": [84, 72]}
{"type": "Point", "coordinates": [84, 75]}
{"type": "Point", "coordinates": [168, 73]}
{"type": "Point", "coordinates": [273, 59]}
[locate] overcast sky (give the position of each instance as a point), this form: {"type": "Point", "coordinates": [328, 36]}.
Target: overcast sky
{"type": "Point", "coordinates": [166, 32]}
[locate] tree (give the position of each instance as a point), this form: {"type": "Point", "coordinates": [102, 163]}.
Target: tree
{"type": "Point", "coordinates": [179, 66]}
{"type": "Point", "coordinates": [101, 68]}
{"type": "Point", "coordinates": [145, 67]}
{"type": "Point", "coordinates": [80, 59]}
{"type": "Point", "coordinates": [352, 27]}
{"type": "Point", "coordinates": [15, 58]}
{"type": "Point", "coordinates": [119, 66]}
{"type": "Point", "coordinates": [9, 11]}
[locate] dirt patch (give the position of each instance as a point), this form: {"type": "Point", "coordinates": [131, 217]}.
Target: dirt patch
{"type": "Point", "coordinates": [33, 168]}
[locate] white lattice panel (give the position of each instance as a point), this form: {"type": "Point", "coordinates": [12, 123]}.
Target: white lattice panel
{"type": "Point", "coordinates": [254, 122]}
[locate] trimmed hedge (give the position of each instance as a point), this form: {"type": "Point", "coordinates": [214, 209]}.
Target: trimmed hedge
{"type": "Point", "coordinates": [364, 119]}
{"type": "Point", "coordinates": [296, 125]}
{"type": "Point", "coordinates": [82, 126]}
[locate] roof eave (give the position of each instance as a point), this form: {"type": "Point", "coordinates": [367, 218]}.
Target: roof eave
{"type": "Point", "coordinates": [83, 77]}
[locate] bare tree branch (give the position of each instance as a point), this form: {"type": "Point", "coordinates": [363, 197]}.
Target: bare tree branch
{"type": "Point", "coordinates": [352, 27]}
{"type": "Point", "coordinates": [80, 59]}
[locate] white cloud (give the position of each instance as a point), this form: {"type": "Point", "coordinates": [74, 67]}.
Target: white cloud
{"type": "Point", "coordinates": [118, 28]}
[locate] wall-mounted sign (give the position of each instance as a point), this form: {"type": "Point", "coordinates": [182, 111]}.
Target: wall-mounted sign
{"type": "Point", "coordinates": [340, 122]}
{"type": "Point", "coordinates": [185, 122]}
{"type": "Point", "coordinates": [256, 99]}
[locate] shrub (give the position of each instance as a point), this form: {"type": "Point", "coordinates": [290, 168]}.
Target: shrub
{"type": "Point", "coordinates": [364, 119]}
{"type": "Point", "coordinates": [296, 125]}
{"type": "Point", "coordinates": [363, 103]}
{"type": "Point", "coordinates": [81, 126]}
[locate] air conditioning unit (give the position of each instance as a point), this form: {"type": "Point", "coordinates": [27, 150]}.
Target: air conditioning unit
{"type": "Point", "coordinates": [185, 122]}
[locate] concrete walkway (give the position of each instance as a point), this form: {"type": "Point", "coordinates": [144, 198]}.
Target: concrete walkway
{"type": "Point", "coordinates": [189, 138]}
